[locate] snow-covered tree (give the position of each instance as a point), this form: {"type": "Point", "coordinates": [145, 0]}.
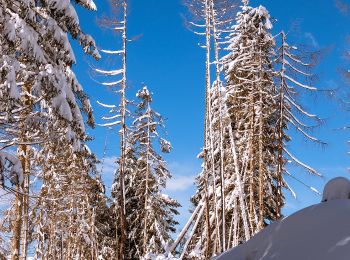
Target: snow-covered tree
{"type": "Point", "coordinates": [37, 84]}
{"type": "Point", "coordinates": [215, 17]}
{"type": "Point", "coordinates": [117, 81]}
{"type": "Point", "coordinates": [252, 110]}
{"type": "Point", "coordinates": [150, 213]}
{"type": "Point", "coordinates": [240, 188]}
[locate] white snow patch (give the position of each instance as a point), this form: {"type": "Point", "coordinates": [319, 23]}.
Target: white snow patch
{"type": "Point", "coordinates": [319, 232]}
{"type": "Point", "coordinates": [337, 188]}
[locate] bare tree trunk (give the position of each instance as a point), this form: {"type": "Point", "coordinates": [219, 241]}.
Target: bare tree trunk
{"type": "Point", "coordinates": [241, 195]}
{"type": "Point", "coordinates": [26, 175]}
{"type": "Point", "coordinates": [280, 133]}
{"type": "Point", "coordinates": [20, 227]}
{"type": "Point", "coordinates": [145, 231]}
{"type": "Point", "coordinates": [206, 128]}
{"type": "Point", "coordinates": [218, 90]}
{"type": "Point", "coordinates": [17, 225]}
{"type": "Point", "coordinates": [122, 146]}
{"type": "Point", "coordinates": [261, 164]}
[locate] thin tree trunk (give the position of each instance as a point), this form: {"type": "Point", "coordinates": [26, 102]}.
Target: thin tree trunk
{"type": "Point", "coordinates": [280, 133]}
{"type": "Point", "coordinates": [122, 146]}
{"type": "Point", "coordinates": [26, 175]}
{"type": "Point", "coordinates": [191, 235]}
{"type": "Point", "coordinates": [17, 225]}
{"type": "Point", "coordinates": [218, 90]}
{"type": "Point", "coordinates": [240, 187]}
{"type": "Point", "coordinates": [186, 227]}
{"type": "Point", "coordinates": [206, 128]}
{"type": "Point", "coordinates": [20, 226]}
{"type": "Point", "coordinates": [145, 230]}
{"type": "Point", "coordinates": [260, 138]}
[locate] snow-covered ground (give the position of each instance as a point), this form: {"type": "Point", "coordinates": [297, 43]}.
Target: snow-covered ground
{"type": "Point", "coordinates": [319, 232]}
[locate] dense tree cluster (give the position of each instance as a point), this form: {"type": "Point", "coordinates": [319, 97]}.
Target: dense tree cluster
{"type": "Point", "coordinates": [248, 115]}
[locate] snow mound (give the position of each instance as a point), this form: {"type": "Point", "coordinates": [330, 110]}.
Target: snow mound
{"type": "Point", "coordinates": [319, 232]}
{"type": "Point", "coordinates": [337, 188]}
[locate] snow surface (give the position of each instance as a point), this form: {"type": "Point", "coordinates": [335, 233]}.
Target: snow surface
{"type": "Point", "coordinates": [337, 188]}
{"type": "Point", "coordinates": [321, 232]}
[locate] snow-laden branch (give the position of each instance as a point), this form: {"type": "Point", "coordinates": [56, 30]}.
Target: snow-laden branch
{"type": "Point", "coordinates": [111, 117]}
{"type": "Point", "coordinates": [112, 52]}
{"type": "Point", "coordinates": [105, 105]}
{"type": "Point", "coordinates": [198, 25]}
{"type": "Point", "coordinates": [13, 165]}
{"type": "Point", "coordinates": [300, 109]}
{"type": "Point", "coordinates": [299, 84]}
{"type": "Point", "coordinates": [110, 72]}
{"type": "Point", "coordinates": [110, 124]}
{"type": "Point", "coordinates": [110, 84]}
{"type": "Point", "coordinates": [311, 170]}
{"type": "Point", "coordinates": [303, 183]}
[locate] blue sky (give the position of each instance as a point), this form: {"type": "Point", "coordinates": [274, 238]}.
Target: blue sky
{"type": "Point", "coordinates": [166, 57]}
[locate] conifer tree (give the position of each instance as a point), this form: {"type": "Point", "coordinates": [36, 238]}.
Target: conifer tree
{"type": "Point", "coordinates": [37, 83]}
{"type": "Point", "coordinates": [252, 107]}
{"type": "Point", "coordinates": [247, 118]}
{"type": "Point", "coordinates": [150, 212]}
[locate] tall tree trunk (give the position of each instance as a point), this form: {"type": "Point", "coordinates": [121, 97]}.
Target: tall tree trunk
{"type": "Point", "coordinates": [26, 183]}
{"type": "Point", "coordinates": [145, 230]}
{"type": "Point", "coordinates": [280, 133]}
{"type": "Point", "coordinates": [20, 227]}
{"type": "Point", "coordinates": [261, 162]}
{"type": "Point", "coordinates": [123, 146]}
{"type": "Point", "coordinates": [206, 129]}
{"type": "Point", "coordinates": [220, 116]}
{"type": "Point", "coordinates": [17, 224]}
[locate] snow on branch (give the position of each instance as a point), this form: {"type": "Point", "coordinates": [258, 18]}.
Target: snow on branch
{"type": "Point", "coordinates": [308, 168]}
{"type": "Point", "coordinates": [88, 4]}
{"type": "Point", "coordinates": [303, 183]}
{"type": "Point", "coordinates": [112, 52]}
{"type": "Point", "coordinates": [105, 105]}
{"type": "Point", "coordinates": [299, 84]}
{"type": "Point", "coordinates": [110, 72]}
{"type": "Point", "coordinates": [11, 164]}
{"type": "Point", "coordinates": [110, 124]}
{"type": "Point", "coordinates": [109, 84]}
{"type": "Point", "coordinates": [111, 117]}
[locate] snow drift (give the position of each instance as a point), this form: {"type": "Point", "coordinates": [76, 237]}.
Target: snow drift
{"type": "Point", "coordinates": [321, 232]}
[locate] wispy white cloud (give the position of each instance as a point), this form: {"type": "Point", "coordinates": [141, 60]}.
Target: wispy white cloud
{"type": "Point", "coordinates": [184, 175]}
{"type": "Point", "coordinates": [312, 39]}
{"type": "Point", "coordinates": [180, 183]}
{"type": "Point", "coordinates": [107, 166]}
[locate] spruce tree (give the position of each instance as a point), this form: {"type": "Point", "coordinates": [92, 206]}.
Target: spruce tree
{"type": "Point", "coordinates": [150, 212]}
{"type": "Point", "coordinates": [37, 84]}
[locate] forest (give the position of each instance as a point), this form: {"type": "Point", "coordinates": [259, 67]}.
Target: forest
{"type": "Point", "coordinates": [55, 202]}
